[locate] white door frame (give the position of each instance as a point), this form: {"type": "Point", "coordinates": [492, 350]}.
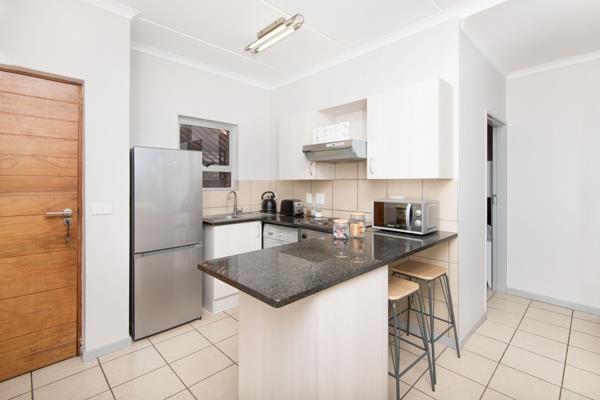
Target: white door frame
{"type": "Point", "coordinates": [499, 202]}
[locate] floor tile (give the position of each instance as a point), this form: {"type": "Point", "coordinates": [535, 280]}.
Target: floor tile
{"type": "Point", "coordinates": [183, 395]}
{"type": "Point", "coordinates": [219, 330]}
{"type": "Point", "coordinates": [490, 394]}
{"type": "Point", "coordinates": [544, 329]}
{"type": "Point", "coordinates": [16, 386]}
{"type": "Point", "coordinates": [485, 346]}
{"type": "Point", "coordinates": [160, 337]}
{"type": "Point", "coordinates": [123, 369]}
{"type": "Point", "coordinates": [82, 385]}
{"type": "Point", "coordinates": [522, 386]}
{"type": "Point", "coordinates": [24, 396]}
{"type": "Point", "coordinates": [54, 372]}
{"type": "Point", "coordinates": [513, 298]}
{"type": "Point", "coordinates": [551, 307]}
{"type": "Point", "coordinates": [229, 346]}
{"type": "Point", "coordinates": [156, 385]}
{"type": "Point", "coordinates": [200, 365]}
{"type": "Point", "coordinates": [451, 386]}
{"type": "Point", "coordinates": [540, 345]}
{"type": "Point", "coordinates": [220, 386]}
{"type": "Point", "coordinates": [591, 328]}
{"type": "Point", "coordinates": [232, 310]}
{"type": "Point", "coordinates": [568, 395]}
{"type": "Point", "coordinates": [469, 365]}
{"type": "Point", "coordinates": [582, 382]}
{"type": "Point", "coordinates": [496, 331]}
{"type": "Point", "coordinates": [134, 346]}
{"type": "Point", "coordinates": [182, 345]}
{"type": "Point", "coordinates": [413, 374]}
{"type": "Point", "coordinates": [103, 396]}
{"type": "Point", "coordinates": [586, 316]}
{"type": "Point", "coordinates": [584, 359]}
{"type": "Point", "coordinates": [549, 317]}
{"type": "Point", "coordinates": [413, 394]}
{"type": "Point", "coordinates": [207, 318]}
{"type": "Point", "coordinates": [585, 341]}
{"type": "Point", "coordinates": [533, 364]}
{"type": "Point", "coordinates": [508, 306]}
{"type": "Point", "coordinates": [503, 317]}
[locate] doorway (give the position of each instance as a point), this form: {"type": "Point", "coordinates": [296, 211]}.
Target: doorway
{"type": "Point", "coordinates": [495, 206]}
{"type": "Point", "coordinates": [40, 226]}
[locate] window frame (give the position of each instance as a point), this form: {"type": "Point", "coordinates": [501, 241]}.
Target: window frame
{"type": "Point", "coordinates": [233, 148]}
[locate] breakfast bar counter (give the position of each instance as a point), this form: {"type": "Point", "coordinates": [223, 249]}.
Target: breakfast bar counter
{"type": "Point", "coordinates": [309, 312]}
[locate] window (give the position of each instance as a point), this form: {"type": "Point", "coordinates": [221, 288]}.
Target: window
{"type": "Point", "coordinates": [216, 141]}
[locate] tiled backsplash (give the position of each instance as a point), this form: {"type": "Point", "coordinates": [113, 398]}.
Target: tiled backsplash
{"type": "Point", "coordinates": [350, 191]}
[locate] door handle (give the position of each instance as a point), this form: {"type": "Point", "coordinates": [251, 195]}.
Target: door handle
{"type": "Point", "coordinates": [371, 165]}
{"type": "Point", "coordinates": [66, 213]}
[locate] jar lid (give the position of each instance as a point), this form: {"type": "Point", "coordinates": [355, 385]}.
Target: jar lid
{"type": "Point", "coordinates": [357, 214]}
{"type": "Point", "coordinates": [340, 221]}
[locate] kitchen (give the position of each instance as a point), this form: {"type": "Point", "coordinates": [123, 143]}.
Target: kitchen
{"type": "Point", "coordinates": [146, 76]}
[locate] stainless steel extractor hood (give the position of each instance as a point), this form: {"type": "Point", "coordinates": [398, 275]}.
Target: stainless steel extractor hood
{"type": "Point", "coordinates": [341, 150]}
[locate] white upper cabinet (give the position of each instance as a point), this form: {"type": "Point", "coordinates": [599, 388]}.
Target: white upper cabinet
{"type": "Point", "coordinates": [410, 132]}
{"type": "Point", "coordinates": [295, 131]}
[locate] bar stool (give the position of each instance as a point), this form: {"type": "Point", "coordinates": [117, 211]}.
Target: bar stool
{"type": "Point", "coordinates": [399, 289]}
{"type": "Point", "coordinates": [428, 273]}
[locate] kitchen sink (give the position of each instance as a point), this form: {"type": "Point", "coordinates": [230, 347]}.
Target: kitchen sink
{"type": "Point", "coordinates": [215, 219]}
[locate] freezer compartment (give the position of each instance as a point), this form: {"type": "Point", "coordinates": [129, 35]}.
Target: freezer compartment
{"type": "Point", "coordinates": [166, 289]}
{"type": "Point", "coordinates": [166, 198]}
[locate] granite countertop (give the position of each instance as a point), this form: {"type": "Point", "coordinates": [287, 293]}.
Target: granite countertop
{"type": "Point", "coordinates": [284, 274]}
{"type": "Point", "coordinates": [275, 219]}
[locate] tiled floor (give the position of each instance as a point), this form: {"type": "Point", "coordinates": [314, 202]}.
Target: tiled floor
{"type": "Point", "coordinates": [525, 350]}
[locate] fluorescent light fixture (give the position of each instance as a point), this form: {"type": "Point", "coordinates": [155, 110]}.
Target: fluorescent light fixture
{"type": "Point", "coordinates": [274, 32]}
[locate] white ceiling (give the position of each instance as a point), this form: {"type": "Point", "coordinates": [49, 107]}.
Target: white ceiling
{"type": "Point", "coordinates": [520, 34]}
{"type": "Point", "coordinates": [214, 33]}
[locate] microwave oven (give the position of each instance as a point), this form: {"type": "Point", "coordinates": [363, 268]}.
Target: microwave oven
{"type": "Point", "coordinates": [410, 216]}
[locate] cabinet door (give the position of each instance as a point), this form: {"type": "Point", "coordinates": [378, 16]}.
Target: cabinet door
{"type": "Point", "coordinates": [234, 239]}
{"type": "Point", "coordinates": [410, 132]}
{"type": "Point", "coordinates": [295, 131]}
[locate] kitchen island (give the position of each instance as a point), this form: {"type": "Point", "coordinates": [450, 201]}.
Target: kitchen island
{"type": "Point", "coordinates": [314, 315]}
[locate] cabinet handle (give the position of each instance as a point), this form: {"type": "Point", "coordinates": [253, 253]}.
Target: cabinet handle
{"type": "Point", "coordinates": [371, 165]}
{"type": "Point", "coordinates": [310, 171]}
{"type": "Point", "coordinates": [258, 230]}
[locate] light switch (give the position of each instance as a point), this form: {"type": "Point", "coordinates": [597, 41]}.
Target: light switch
{"type": "Point", "coordinates": [102, 208]}
{"type": "Point", "coordinates": [320, 198]}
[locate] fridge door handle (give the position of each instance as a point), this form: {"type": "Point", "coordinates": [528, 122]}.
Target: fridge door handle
{"type": "Point", "coordinates": [154, 252]}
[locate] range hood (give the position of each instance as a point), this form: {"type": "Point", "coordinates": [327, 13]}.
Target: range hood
{"type": "Point", "coordinates": [340, 150]}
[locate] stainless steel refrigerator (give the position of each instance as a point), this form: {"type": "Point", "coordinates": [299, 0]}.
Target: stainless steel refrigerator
{"type": "Point", "coordinates": [166, 239]}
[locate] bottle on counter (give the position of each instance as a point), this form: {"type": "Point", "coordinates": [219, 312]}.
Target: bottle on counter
{"type": "Point", "coordinates": [357, 225]}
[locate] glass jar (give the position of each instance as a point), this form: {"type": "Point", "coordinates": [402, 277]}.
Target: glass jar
{"type": "Point", "coordinates": [340, 229]}
{"type": "Point", "coordinates": [357, 225]}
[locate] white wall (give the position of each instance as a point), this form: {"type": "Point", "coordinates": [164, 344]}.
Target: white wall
{"type": "Point", "coordinates": [553, 184]}
{"type": "Point", "coordinates": [162, 90]}
{"type": "Point", "coordinates": [482, 91]}
{"type": "Point", "coordinates": [71, 38]}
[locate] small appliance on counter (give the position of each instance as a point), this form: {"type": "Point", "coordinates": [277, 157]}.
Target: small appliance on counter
{"type": "Point", "coordinates": [269, 203]}
{"type": "Point", "coordinates": [292, 208]}
{"type": "Point", "coordinates": [410, 216]}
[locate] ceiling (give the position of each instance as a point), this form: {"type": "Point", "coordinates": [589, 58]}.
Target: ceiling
{"type": "Point", "coordinates": [520, 34]}
{"type": "Point", "coordinates": [214, 33]}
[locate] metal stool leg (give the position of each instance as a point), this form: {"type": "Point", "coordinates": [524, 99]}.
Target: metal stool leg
{"type": "Point", "coordinates": [430, 291]}
{"type": "Point", "coordinates": [448, 298]}
{"type": "Point", "coordinates": [423, 332]}
{"type": "Point", "coordinates": [396, 350]}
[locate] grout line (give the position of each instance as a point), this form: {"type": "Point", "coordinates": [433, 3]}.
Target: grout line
{"type": "Point", "coordinates": [181, 391]}
{"type": "Point", "coordinates": [562, 381]}
{"type": "Point", "coordinates": [170, 367]}
{"type": "Point", "coordinates": [106, 379]}
{"type": "Point", "coordinates": [504, 352]}
{"type": "Point", "coordinates": [217, 347]}
{"type": "Point", "coordinates": [62, 378]}
{"type": "Point", "coordinates": [31, 383]}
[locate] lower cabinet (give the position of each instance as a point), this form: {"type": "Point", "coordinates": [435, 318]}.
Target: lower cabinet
{"type": "Point", "coordinates": [223, 241]}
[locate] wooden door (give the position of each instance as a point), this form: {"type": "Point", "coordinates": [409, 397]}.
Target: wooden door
{"type": "Point", "coordinates": [40, 133]}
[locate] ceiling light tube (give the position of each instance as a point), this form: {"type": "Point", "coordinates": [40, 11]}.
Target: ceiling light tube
{"type": "Point", "coordinates": [273, 33]}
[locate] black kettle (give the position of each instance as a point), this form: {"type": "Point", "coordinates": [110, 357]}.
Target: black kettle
{"type": "Point", "coordinates": [269, 203]}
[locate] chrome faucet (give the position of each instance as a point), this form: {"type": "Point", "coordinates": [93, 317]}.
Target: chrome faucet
{"type": "Point", "coordinates": [236, 211]}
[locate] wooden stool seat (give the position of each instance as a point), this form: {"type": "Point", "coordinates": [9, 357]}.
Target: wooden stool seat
{"type": "Point", "coordinates": [399, 288]}
{"type": "Point", "coordinates": [419, 270]}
